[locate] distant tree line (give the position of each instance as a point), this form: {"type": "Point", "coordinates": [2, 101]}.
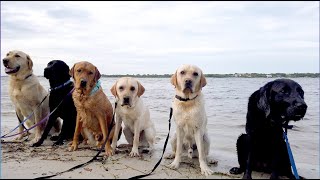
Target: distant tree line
{"type": "Point", "coordinates": [239, 75]}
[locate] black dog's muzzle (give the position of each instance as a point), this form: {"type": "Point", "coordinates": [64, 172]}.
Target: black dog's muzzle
{"type": "Point", "coordinates": [47, 73]}
{"type": "Point", "coordinates": [300, 109]}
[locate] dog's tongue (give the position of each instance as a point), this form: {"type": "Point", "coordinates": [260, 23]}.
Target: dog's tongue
{"type": "Point", "coordinates": [9, 70]}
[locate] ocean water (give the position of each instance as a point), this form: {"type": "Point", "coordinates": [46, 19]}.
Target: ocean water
{"type": "Point", "coordinates": [226, 107]}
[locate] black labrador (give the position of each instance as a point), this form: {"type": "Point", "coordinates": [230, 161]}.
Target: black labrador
{"type": "Point", "coordinates": [270, 109]}
{"type": "Point", "coordinates": [57, 72]}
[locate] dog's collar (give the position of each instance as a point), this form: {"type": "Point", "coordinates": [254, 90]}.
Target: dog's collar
{"type": "Point", "coordinates": [185, 99]}
{"type": "Point", "coordinates": [61, 86]}
{"type": "Point", "coordinates": [96, 88]}
{"type": "Point", "coordinates": [28, 76]}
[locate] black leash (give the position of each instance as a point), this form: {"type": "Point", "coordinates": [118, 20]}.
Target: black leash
{"type": "Point", "coordinates": [90, 161]}
{"type": "Point", "coordinates": [164, 149]}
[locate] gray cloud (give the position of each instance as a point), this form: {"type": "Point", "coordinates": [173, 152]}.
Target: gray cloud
{"type": "Point", "coordinates": [156, 37]}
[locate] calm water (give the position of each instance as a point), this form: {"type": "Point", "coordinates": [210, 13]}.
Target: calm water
{"type": "Point", "coordinates": [226, 107]}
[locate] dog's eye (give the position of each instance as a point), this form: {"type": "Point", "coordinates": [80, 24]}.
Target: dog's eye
{"type": "Point", "coordinates": [195, 74]}
{"type": "Point", "coordinates": [182, 72]}
{"type": "Point", "coordinates": [300, 91]}
{"type": "Point", "coordinates": [16, 55]}
{"type": "Point", "coordinates": [79, 70]}
{"type": "Point", "coordinates": [90, 72]}
{"type": "Point", "coordinates": [8, 54]}
{"type": "Point", "coordinates": [132, 88]}
{"type": "Point", "coordinates": [121, 88]}
{"type": "Point", "coordinates": [284, 91]}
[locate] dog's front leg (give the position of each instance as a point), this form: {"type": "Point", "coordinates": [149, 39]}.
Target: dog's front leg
{"type": "Point", "coordinates": [38, 115]}
{"type": "Point", "coordinates": [276, 157]}
{"type": "Point", "coordinates": [136, 136]}
{"type": "Point", "coordinates": [74, 145]}
{"type": "Point", "coordinates": [248, 171]}
{"type": "Point", "coordinates": [202, 155]}
{"type": "Point", "coordinates": [116, 133]}
{"type": "Point", "coordinates": [21, 118]}
{"type": "Point", "coordinates": [176, 162]}
{"type": "Point", "coordinates": [105, 132]}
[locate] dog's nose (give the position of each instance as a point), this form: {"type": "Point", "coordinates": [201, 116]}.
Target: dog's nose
{"type": "Point", "coordinates": [188, 81]}
{"type": "Point", "coordinates": [83, 83]}
{"type": "Point", "coordinates": [301, 106]}
{"type": "Point", "coordinates": [5, 61]}
{"type": "Point", "coordinates": [126, 100]}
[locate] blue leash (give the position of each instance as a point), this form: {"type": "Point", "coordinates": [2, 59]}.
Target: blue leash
{"type": "Point", "coordinates": [21, 122]}
{"type": "Point", "coordinates": [42, 121]}
{"type": "Point", "coordinates": [293, 164]}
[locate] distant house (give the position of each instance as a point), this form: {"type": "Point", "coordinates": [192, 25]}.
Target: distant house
{"type": "Point", "coordinates": [237, 75]}
{"type": "Point", "coordinates": [269, 76]}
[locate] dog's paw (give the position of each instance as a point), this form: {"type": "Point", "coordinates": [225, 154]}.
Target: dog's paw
{"type": "Point", "coordinates": [21, 136]}
{"type": "Point", "coordinates": [37, 144]}
{"type": "Point", "coordinates": [174, 165]}
{"type": "Point", "coordinates": [36, 139]}
{"type": "Point", "coordinates": [235, 170]}
{"type": "Point", "coordinates": [205, 170]}
{"type": "Point", "coordinates": [73, 147]}
{"type": "Point", "coordinates": [134, 153]}
{"type": "Point", "coordinates": [109, 152]}
{"type": "Point", "coordinates": [169, 156]}
{"type": "Point", "coordinates": [58, 143]}
{"type": "Point", "coordinates": [54, 138]}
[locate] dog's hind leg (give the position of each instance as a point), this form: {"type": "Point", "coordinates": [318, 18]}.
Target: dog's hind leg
{"type": "Point", "coordinates": [150, 135]}
{"type": "Point", "coordinates": [242, 152]}
{"type": "Point", "coordinates": [128, 135]}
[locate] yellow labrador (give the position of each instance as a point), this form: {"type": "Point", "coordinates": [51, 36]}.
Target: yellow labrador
{"type": "Point", "coordinates": [190, 117]}
{"type": "Point", "coordinates": [135, 115]}
{"type": "Point", "coordinates": [26, 92]}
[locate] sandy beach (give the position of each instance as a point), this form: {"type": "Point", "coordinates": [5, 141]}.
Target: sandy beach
{"type": "Point", "coordinates": [19, 160]}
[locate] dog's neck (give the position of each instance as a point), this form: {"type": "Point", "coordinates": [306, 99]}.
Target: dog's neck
{"type": "Point", "coordinates": [21, 77]}
{"type": "Point", "coordinates": [185, 99]}
{"type": "Point", "coordinates": [27, 76]}
{"type": "Point", "coordinates": [61, 85]}
{"type": "Point", "coordinates": [96, 88]}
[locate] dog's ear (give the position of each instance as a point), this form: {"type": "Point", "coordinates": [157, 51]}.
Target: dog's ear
{"type": "Point", "coordinates": [30, 63]}
{"type": "Point", "coordinates": [97, 75]}
{"type": "Point", "coordinates": [71, 72]}
{"type": "Point", "coordinates": [114, 90]}
{"type": "Point", "coordinates": [140, 90]}
{"type": "Point", "coordinates": [263, 101]}
{"type": "Point", "coordinates": [203, 81]}
{"type": "Point", "coordinates": [174, 79]}
{"type": "Point", "coordinates": [66, 71]}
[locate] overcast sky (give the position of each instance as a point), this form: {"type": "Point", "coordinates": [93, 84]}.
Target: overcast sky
{"type": "Point", "coordinates": [157, 37]}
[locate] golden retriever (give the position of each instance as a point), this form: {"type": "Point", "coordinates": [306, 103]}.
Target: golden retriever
{"type": "Point", "coordinates": [26, 92]}
{"type": "Point", "coordinates": [190, 117]}
{"type": "Point", "coordinates": [134, 114]}
{"type": "Point", "coordinates": [94, 110]}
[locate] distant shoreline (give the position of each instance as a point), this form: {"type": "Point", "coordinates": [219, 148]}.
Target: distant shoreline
{"type": "Point", "coordinates": [237, 75]}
